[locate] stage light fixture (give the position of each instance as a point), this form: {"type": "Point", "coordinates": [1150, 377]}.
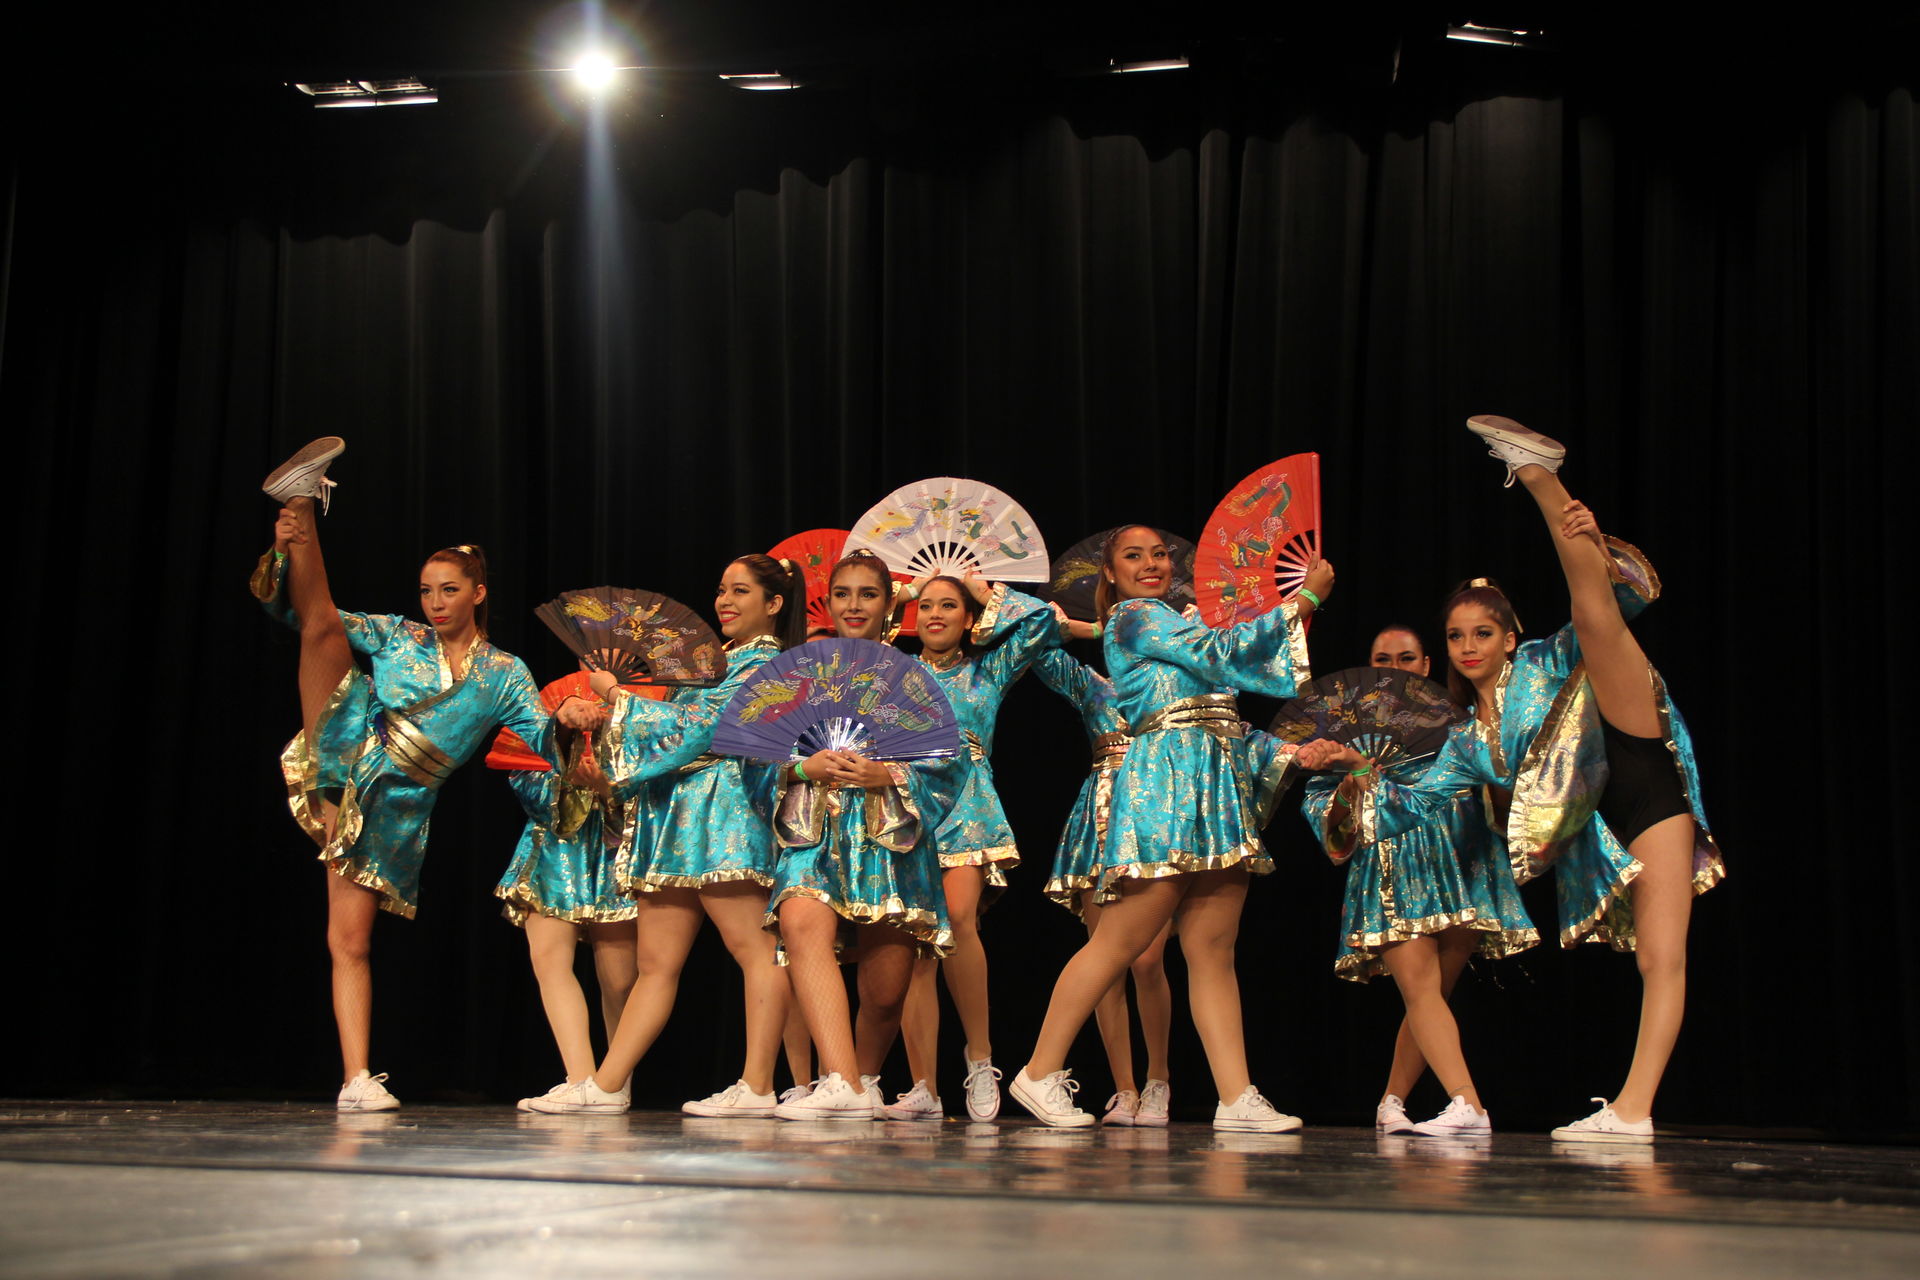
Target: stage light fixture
{"type": "Point", "coordinates": [1152, 64]}
{"type": "Point", "coordinates": [407, 91]}
{"type": "Point", "coordinates": [1511, 37]}
{"type": "Point", "coordinates": [759, 80]}
{"type": "Point", "coordinates": [594, 71]}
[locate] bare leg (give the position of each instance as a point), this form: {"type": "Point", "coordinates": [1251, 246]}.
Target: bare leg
{"type": "Point", "coordinates": [350, 914]}
{"type": "Point", "coordinates": [737, 909]}
{"type": "Point", "coordinates": [1127, 928]}
{"type": "Point", "coordinates": [798, 1044]}
{"type": "Point", "coordinates": [1662, 904]}
{"type": "Point", "coordinates": [966, 967]}
{"type": "Point", "coordinates": [664, 930]}
{"type": "Point", "coordinates": [1209, 918]}
{"type": "Point", "coordinates": [1116, 1030]}
{"type": "Point", "coordinates": [614, 966]}
{"type": "Point", "coordinates": [808, 928]}
{"type": "Point", "coordinates": [1415, 966]}
{"type": "Point", "coordinates": [550, 945]}
{"type": "Point", "coordinates": [1154, 995]}
{"type": "Point", "coordinates": [325, 655]}
{"type": "Point", "coordinates": [886, 971]}
{"type": "Point", "coordinates": [1408, 1062]}
{"type": "Point", "coordinates": [920, 1023]}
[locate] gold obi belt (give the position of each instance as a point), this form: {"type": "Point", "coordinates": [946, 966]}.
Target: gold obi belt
{"type": "Point", "coordinates": [409, 748]}
{"type": "Point", "coordinates": [1109, 749]}
{"type": "Point", "coordinates": [974, 748]}
{"type": "Point", "coordinates": [1217, 713]}
{"type": "Point", "coordinates": [704, 760]}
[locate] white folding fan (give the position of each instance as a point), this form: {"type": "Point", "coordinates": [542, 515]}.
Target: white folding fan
{"type": "Point", "coordinates": [949, 525]}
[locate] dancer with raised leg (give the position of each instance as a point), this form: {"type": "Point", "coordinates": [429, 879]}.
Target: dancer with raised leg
{"type": "Point", "coordinates": [700, 853]}
{"type": "Point", "coordinates": [1181, 840]}
{"type": "Point", "coordinates": [372, 752]}
{"type": "Point", "coordinates": [1600, 765]}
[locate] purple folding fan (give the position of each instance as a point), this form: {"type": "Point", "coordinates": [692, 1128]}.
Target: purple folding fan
{"type": "Point", "coordinates": [839, 695]}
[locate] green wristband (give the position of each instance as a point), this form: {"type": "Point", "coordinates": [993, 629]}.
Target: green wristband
{"type": "Point", "coordinates": [1312, 598]}
{"type": "Point", "coordinates": [1361, 772]}
{"type": "Point", "coordinates": [800, 770]}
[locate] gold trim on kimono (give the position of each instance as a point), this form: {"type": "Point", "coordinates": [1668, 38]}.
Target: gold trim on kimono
{"type": "Point", "coordinates": [921, 924]}
{"type": "Point", "coordinates": [1250, 854]}
{"type": "Point", "coordinates": [1217, 713]}
{"type": "Point", "coordinates": [415, 754]}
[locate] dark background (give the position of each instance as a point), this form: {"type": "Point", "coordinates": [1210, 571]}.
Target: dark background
{"type": "Point", "coordinates": [632, 343]}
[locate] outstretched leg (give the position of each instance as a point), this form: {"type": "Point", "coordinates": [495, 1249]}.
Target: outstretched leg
{"type": "Point", "coordinates": [737, 909]}
{"type": "Point", "coordinates": [1127, 928]}
{"type": "Point", "coordinates": [1409, 1064]}
{"type": "Point", "coordinates": [325, 656]}
{"type": "Point", "coordinates": [1416, 968]}
{"type": "Point", "coordinates": [808, 928]}
{"type": "Point", "coordinates": [664, 930]}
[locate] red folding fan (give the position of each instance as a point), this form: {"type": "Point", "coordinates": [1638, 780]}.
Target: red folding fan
{"type": "Point", "coordinates": [816, 552]}
{"type": "Point", "coordinates": [1259, 542]}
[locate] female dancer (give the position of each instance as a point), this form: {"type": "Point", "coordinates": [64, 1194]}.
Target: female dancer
{"type": "Point", "coordinates": [856, 850]}
{"type": "Point", "coordinates": [1076, 874]}
{"type": "Point", "coordinates": [1180, 841]}
{"type": "Point", "coordinates": [704, 853]}
{"type": "Point", "coordinates": [1571, 711]}
{"type": "Point", "coordinates": [561, 880]}
{"type": "Point", "coordinates": [372, 753]}
{"type": "Point", "coordinates": [1418, 907]}
{"type": "Point", "coordinates": [976, 845]}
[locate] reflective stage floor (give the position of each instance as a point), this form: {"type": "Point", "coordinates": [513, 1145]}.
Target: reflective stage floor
{"type": "Point", "coordinates": [103, 1189]}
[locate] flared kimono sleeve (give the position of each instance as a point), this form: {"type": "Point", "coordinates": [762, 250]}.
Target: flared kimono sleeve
{"type": "Point", "coordinates": [1471, 758]}
{"type": "Point", "coordinates": [1269, 769]}
{"type": "Point", "coordinates": [1019, 629]}
{"type": "Point", "coordinates": [647, 739]}
{"type": "Point", "coordinates": [892, 814]}
{"type": "Point", "coordinates": [1337, 840]}
{"type": "Point", "coordinates": [1266, 655]}
{"type": "Point", "coordinates": [1072, 680]}
{"type": "Point", "coordinates": [368, 633]}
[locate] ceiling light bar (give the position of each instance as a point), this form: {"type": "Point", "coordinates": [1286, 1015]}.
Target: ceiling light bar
{"type": "Point", "coordinates": [404, 92]}
{"type": "Point", "coordinates": [1153, 64]}
{"type": "Point", "coordinates": [759, 80]}
{"type": "Point", "coordinates": [1512, 37]}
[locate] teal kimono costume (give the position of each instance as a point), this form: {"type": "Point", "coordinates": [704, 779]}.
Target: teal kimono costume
{"type": "Point", "coordinates": [975, 832]}
{"type": "Point", "coordinates": [1076, 861]}
{"type": "Point", "coordinates": [386, 743]}
{"type": "Point", "coordinates": [1545, 745]}
{"type": "Point", "coordinates": [1447, 872]}
{"type": "Point", "coordinates": [1182, 799]}
{"type": "Point", "coordinates": [700, 826]}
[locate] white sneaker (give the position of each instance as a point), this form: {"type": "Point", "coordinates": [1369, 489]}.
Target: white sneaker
{"type": "Point", "coordinates": [526, 1104]}
{"type": "Point", "coordinates": [737, 1100]}
{"type": "Point", "coordinates": [1603, 1126]}
{"type": "Point", "coordinates": [1459, 1120]}
{"type": "Point", "coordinates": [983, 1089]}
{"type": "Point", "coordinates": [794, 1093]}
{"type": "Point", "coordinates": [584, 1099]}
{"type": "Point", "coordinates": [1251, 1113]}
{"type": "Point", "coordinates": [917, 1103]}
{"type": "Point", "coordinates": [304, 475]}
{"type": "Point", "coordinates": [1155, 1098]}
{"type": "Point", "coordinates": [1391, 1116]}
{"type": "Point", "coordinates": [366, 1093]}
{"type": "Point", "coordinates": [1121, 1108]}
{"type": "Point", "coordinates": [832, 1099]}
{"type": "Point", "coordinates": [1515, 445]}
{"type": "Point", "coordinates": [1050, 1100]}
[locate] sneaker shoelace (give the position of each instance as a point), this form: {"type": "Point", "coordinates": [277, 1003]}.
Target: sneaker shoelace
{"type": "Point", "coordinates": [981, 1076]}
{"type": "Point", "coordinates": [1060, 1087]}
{"type": "Point", "coordinates": [326, 504]}
{"type": "Point", "coordinates": [1512, 471]}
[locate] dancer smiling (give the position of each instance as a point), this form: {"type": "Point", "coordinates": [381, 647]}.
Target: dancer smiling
{"type": "Point", "coordinates": [1181, 839]}
{"type": "Point", "coordinates": [1599, 762]}
{"type": "Point", "coordinates": [701, 852]}
{"type": "Point", "coordinates": [979, 640]}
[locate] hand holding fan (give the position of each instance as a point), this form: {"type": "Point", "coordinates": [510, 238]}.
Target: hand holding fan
{"type": "Point", "coordinates": [949, 525]}
{"type": "Point", "coordinates": [639, 636]}
{"type": "Point", "coordinates": [1394, 716]}
{"type": "Point", "coordinates": [814, 553]}
{"type": "Point", "coordinates": [1259, 542]}
{"type": "Point", "coordinates": [510, 751]}
{"type": "Point", "coordinates": [1076, 574]}
{"type": "Point", "coordinates": [839, 695]}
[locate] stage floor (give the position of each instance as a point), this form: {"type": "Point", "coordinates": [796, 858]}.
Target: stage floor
{"type": "Point", "coordinates": [100, 1189]}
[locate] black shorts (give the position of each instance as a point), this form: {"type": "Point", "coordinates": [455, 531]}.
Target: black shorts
{"type": "Point", "coordinates": [1643, 785]}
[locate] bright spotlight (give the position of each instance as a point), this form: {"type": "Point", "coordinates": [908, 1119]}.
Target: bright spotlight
{"type": "Point", "coordinates": [593, 71]}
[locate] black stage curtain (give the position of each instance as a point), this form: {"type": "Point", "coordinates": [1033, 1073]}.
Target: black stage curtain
{"type": "Point", "coordinates": [631, 348]}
